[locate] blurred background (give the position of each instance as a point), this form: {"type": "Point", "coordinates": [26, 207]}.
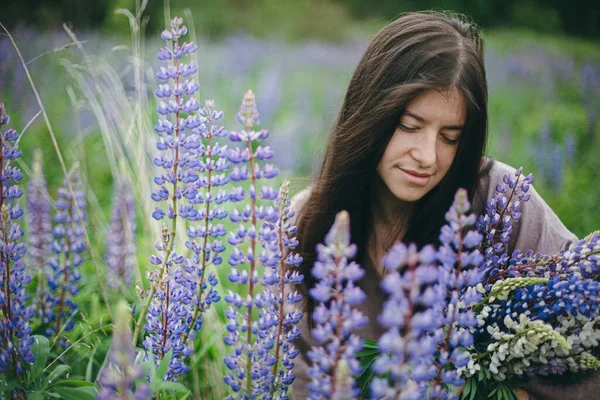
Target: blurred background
{"type": "Point", "coordinates": [543, 61]}
{"type": "Point", "coordinates": [94, 63]}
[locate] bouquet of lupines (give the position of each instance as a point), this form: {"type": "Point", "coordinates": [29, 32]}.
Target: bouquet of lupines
{"type": "Point", "coordinates": [192, 164]}
{"type": "Point", "coordinates": [469, 312]}
{"type": "Point", "coordinates": [539, 314]}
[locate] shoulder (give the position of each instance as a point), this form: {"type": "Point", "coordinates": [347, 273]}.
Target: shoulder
{"type": "Point", "coordinates": [299, 200]}
{"type": "Point", "coordinates": [539, 228]}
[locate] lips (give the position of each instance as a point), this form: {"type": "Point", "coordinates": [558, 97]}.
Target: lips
{"type": "Point", "coordinates": [415, 178]}
{"type": "Point", "coordinates": [416, 173]}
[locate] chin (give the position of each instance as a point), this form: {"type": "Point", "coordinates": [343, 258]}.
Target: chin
{"type": "Point", "coordinates": [409, 195]}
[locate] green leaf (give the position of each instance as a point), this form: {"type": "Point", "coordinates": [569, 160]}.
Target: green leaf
{"type": "Point", "coordinates": [56, 373]}
{"type": "Point", "coordinates": [40, 349]}
{"type": "Point", "coordinates": [364, 379]}
{"type": "Point", "coordinates": [73, 382]}
{"type": "Point", "coordinates": [80, 393]}
{"type": "Point", "coordinates": [35, 396]}
{"type": "Point", "coordinates": [466, 389]}
{"type": "Point", "coordinates": [164, 365]}
{"type": "Point", "coordinates": [473, 390]}
{"type": "Point", "coordinates": [172, 386]}
{"type": "Point", "coordinates": [367, 352]}
{"type": "Point", "coordinates": [90, 366]}
{"type": "Point", "coordinates": [370, 344]}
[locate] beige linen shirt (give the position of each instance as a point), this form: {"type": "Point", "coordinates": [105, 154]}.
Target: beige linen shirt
{"type": "Point", "coordinates": [539, 229]}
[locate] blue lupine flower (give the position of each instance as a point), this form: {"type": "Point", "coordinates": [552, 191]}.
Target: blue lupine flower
{"type": "Point", "coordinates": [462, 271]}
{"type": "Point", "coordinates": [68, 248]}
{"type": "Point", "coordinates": [122, 378]}
{"type": "Point", "coordinates": [278, 319]}
{"type": "Point", "coordinates": [496, 224]}
{"type": "Point", "coordinates": [413, 315]}
{"type": "Point", "coordinates": [181, 289]}
{"type": "Point", "coordinates": [539, 313]}
{"type": "Point", "coordinates": [39, 223]}
{"type": "Point", "coordinates": [15, 339]}
{"type": "Point", "coordinates": [333, 359]}
{"type": "Point", "coordinates": [247, 168]}
{"type": "Point", "coordinates": [120, 237]}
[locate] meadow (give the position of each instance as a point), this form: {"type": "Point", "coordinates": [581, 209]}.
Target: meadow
{"type": "Point", "coordinates": [98, 98]}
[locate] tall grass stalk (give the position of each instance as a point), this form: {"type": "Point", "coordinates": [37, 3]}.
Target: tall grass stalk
{"type": "Point", "coordinates": [61, 161]}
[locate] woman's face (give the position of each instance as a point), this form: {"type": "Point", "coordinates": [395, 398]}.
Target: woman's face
{"type": "Point", "coordinates": [424, 144]}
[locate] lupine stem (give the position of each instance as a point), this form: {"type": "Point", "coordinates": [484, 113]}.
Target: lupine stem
{"type": "Point", "coordinates": [512, 193]}
{"type": "Point", "coordinates": [199, 307]}
{"type": "Point", "coordinates": [407, 328]}
{"type": "Point", "coordinates": [338, 328]}
{"type": "Point", "coordinates": [458, 271]}
{"type": "Point", "coordinates": [165, 323]}
{"type": "Point", "coordinates": [282, 271]}
{"type": "Point", "coordinates": [252, 261]}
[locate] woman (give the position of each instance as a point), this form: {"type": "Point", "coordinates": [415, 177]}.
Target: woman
{"type": "Point", "coordinates": [411, 131]}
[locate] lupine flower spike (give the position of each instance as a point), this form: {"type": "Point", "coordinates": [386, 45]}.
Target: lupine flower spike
{"type": "Point", "coordinates": [210, 199]}
{"type": "Point", "coordinates": [462, 273]}
{"type": "Point", "coordinates": [118, 378]}
{"type": "Point", "coordinates": [413, 316]}
{"type": "Point", "coordinates": [276, 280]}
{"type": "Point", "coordinates": [174, 304]}
{"type": "Point", "coordinates": [15, 339]}
{"type": "Point", "coordinates": [333, 360]}
{"type": "Point", "coordinates": [278, 319]}
{"type": "Point", "coordinates": [68, 248]}
{"type": "Point", "coordinates": [39, 223]}
{"type": "Point", "coordinates": [495, 225]}
{"type": "Point", "coordinates": [120, 238]}
{"type": "Point", "coordinates": [241, 334]}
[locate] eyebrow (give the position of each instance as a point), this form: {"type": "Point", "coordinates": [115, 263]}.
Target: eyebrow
{"type": "Point", "coordinates": [421, 119]}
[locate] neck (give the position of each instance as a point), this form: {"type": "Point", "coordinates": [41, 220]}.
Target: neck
{"type": "Point", "coordinates": [387, 208]}
{"type": "Point", "coordinates": [389, 219]}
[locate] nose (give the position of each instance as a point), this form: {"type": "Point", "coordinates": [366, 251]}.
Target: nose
{"type": "Point", "coordinates": [424, 150]}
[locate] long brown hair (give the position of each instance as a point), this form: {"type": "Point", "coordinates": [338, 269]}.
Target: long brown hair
{"type": "Point", "coordinates": [415, 53]}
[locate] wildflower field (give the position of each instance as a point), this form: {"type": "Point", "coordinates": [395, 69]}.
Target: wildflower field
{"type": "Point", "coordinates": [146, 220]}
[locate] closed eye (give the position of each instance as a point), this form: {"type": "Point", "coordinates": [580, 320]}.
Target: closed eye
{"type": "Point", "coordinates": [407, 128]}
{"type": "Point", "coordinates": [449, 140]}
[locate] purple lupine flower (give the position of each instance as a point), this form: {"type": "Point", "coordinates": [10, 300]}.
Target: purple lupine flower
{"type": "Point", "coordinates": [413, 315]}
{"type": "Point", "coordinates": [68, 248]}
{"type": "Point", "coordinates": [556, 299]}
{"type": "Point", "coordinates": [212, 162]}
{"type": "Point", "coordinates": [335, 316]}
{"type": "Point", "coordinates": [122, 378]}
{"type": "Point", "coordinates": [15, 339]}
{"type": "Point", "coordinates": [247, 160]}
{"type": "Point", "coordinates": [120, 238]}
{"type": "Point", "coordinates": [495, 225]}
{"type": "Point", "coordinates": [39, 222]}
{"type": "Point", "coordinates": [462, 272]}
{"type": "Point", "coordinates": [181, 291]}
{"type": "Point", "coordinates": [277, 325]}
